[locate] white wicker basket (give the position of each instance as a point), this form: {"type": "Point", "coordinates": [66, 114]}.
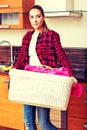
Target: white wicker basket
{"type": "Point", "coordinates": [39, 89]}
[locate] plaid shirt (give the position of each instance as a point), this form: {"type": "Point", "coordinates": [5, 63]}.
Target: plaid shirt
{"type": "Point", "coordinates": [48, 49]}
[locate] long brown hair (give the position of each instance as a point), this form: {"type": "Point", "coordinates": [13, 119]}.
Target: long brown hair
{"type": "Point", "coordinates": [44, 26]}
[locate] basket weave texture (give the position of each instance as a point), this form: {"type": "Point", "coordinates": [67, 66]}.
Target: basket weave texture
{"type": "Point", "coordinates": [39, 89]}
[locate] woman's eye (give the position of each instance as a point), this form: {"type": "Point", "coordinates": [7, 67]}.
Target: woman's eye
{"type": "Point", "coordinates": [31, 17]}
{"type": "Point", "coordinates": [38, 16]}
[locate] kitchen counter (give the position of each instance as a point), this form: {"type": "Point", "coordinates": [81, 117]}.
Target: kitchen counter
{"type": "Point", "coordinates": [4, 73]}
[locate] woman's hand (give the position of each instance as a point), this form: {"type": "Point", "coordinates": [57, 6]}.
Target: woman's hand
{"type": "Point", "coordinates": [75, 81]}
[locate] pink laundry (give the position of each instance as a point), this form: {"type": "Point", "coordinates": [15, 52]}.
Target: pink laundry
{"type": "Point", "coordinates": [76, 89]}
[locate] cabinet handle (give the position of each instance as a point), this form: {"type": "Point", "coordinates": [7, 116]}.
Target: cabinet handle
{"type": "Point", "coordinates": [6, 81]}
{"type": "Point", "coordinates": [85, 125]}
{"type": "Point", "coordinates": [85, 101]}
{"type": "Point", "coordinates": [4, 6]}
{"type": "Point", "coordinates": [4, 26]}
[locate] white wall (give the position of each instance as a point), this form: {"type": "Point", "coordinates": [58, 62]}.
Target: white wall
{"type": "Point", "coordinates": [72, 30]}
{"type": "Point", "coordinates": [14, 36]}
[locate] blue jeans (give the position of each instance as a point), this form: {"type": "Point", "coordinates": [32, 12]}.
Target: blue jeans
{"type": "Point", "coordinates": [43, 118]}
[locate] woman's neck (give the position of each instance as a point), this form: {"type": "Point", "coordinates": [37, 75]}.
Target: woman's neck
{"type": "Point", "coordinates": [38, 30]}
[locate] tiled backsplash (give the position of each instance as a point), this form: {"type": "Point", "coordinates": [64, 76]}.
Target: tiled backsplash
{"type": "Point", "coordinates": [77, 57]}
{"type": "Point", "coordinates": [5, 55]}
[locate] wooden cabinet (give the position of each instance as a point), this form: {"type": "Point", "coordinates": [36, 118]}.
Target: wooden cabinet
{"type": "Point", "coordinates": [11, 114]}
{"type": "Point", "coordinates": [77, 111]}
{"type": "Point", "coordinates": [14, 14]}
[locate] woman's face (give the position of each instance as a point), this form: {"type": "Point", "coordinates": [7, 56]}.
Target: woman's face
{"type": "Point", "coordinates": [36, 19]}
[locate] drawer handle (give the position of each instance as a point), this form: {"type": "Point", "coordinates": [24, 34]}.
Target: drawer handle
{"type": "Point", "coordinates": [4, 6]}
{"type": "Point", "coordinates": [85, 125]}
{"type": "Point", "coordinates": [4, 26]}
{"type": "Point", "coordinates": [6, 81]}
{"type": "Point", "coordinates": [85, 101]}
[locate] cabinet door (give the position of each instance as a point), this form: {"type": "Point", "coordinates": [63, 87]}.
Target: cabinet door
{"type": "Point", "coordinates": [77, 111]}
{"type": "Point", "coordinates": [77, 124]}
{"type": "Point", "coordinates": [59, 5]}
{"type": "Point", "coordinates": [78, 106]}
{"type": "Point", "coordinates": [25, 4]}
{"type": "Point", "coordinates": [10, 3]}
{"type": "Point", "coordinates": [15, 16]}
{"type": "Point", "coordinates": [11, 114]}
{"type": "Point", "coordinates": [14, 19]}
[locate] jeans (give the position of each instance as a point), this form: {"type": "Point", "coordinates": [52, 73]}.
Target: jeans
{"type": "Point", "coordinates": [43, 118]}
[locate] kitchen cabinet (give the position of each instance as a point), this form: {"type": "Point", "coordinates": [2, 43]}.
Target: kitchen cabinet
{"type": "Point", "coordinates": [14, 15]}
{"type": "Point", "coordinates": [11, 114]}
{"type": "Point", "coordinates": [59, 8]}
{"type": "Point", "coordinates": [77, 111]}
{"type": "Point", "coordinates": [63, 5]}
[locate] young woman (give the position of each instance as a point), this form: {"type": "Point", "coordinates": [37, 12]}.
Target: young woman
{"type": "Point", "coordinates": [40, 46]}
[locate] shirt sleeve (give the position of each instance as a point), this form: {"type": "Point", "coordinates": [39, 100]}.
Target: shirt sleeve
{"type": "Point", "coordinates": [22, 59]}
{"type": "Point", "coordinates": [62, 58]}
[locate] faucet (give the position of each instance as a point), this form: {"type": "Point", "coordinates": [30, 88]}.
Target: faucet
{"type": "Point", "coordinates": [5, 41]}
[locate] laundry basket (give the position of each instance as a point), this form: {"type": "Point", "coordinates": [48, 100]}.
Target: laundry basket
{"type": "Point", "coordinates": [39, 89]}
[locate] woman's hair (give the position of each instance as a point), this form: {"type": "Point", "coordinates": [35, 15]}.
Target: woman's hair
{"type": "Point", "coordinates": [44, 26]}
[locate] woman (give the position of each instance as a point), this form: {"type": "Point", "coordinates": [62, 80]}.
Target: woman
{"type": "Point", "coordinates": [40, 46]}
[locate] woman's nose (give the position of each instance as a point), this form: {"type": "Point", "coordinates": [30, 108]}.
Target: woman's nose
{"type": "Point", "coordinates": [35, 19]}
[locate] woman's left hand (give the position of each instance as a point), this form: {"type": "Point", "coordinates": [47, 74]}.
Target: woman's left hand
{"type": "Point", "coordinates": [75, 81]}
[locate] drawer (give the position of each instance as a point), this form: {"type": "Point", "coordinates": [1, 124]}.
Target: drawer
{"type": "Point", "coordinates": [4, 79]}
{"type": "Point", "coordinates": [11, 114]}
{"type": "Point", "coordinates": [26, 4]}
{"type": "Point", "coordinates": [11, 3]}
{"type": "Point", "coordinates": [77, 124]}
{"type": "Point", "coordinates": [14, 15]}
{"type": "Point", "coordinates": [78, 107]}
{"type": "Point", "coordinates": [84, 88]}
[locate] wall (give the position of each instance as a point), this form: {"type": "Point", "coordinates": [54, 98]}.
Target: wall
{"type": "Point", "coordinates": [72, 30]}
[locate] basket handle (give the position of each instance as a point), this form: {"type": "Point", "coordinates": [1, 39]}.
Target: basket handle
{"type": "Point", "coordinates": [45, 66]}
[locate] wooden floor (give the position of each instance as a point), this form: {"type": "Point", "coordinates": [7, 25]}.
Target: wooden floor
{"type": "Point", "coordinates": [5, 128]}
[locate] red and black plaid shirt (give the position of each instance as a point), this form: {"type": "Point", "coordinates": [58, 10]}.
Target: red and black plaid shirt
{"type": "Point", "coordinates": [48, 48]}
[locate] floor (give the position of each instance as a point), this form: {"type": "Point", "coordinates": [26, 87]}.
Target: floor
{"type": "Point", "coordinates": [5, 128]}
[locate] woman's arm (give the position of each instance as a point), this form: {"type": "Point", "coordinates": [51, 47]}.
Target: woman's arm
{"type": "Point", "coordinates": [62, 58]}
